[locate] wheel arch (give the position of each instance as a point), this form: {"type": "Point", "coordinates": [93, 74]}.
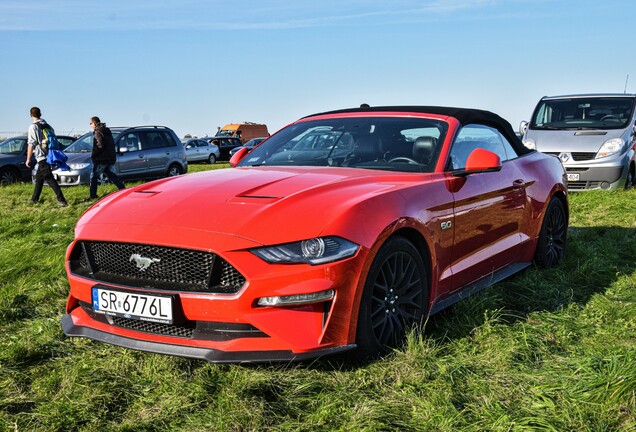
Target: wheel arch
{"type": "Point", "coordinates": [415, 237]}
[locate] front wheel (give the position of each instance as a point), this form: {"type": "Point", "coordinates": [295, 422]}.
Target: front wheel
{"type": "Point", "coordinates": [630, 182]}
{"type": "Point", "coordinates": [9, 176]}
{"type": "Point", "coordinates": [552, 237]}
{"type": "Point", "coordinates": [394, 300]}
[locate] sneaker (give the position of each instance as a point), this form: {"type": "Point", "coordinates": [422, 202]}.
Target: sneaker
{"type": "Point", "coordinates": [62, 203]}
{"type": "Point", "coordinates": [91, 199]}
{"type": "Point", "coordinates": [30, 201]}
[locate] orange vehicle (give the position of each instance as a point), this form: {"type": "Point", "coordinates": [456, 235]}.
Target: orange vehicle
{"type": "Point", "coordinates": [244, 131]}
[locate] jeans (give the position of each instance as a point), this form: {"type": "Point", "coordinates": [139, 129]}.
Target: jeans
{"type": "Point", "coordinates": [44, 174]}
{"type": "Point", "coordinates": [98, 169]}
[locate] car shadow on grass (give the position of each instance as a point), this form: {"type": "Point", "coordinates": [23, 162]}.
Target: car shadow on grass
{"type": "Point", "coordinates": [596, 257]}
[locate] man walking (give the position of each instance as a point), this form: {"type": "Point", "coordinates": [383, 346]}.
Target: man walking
{"type": "Point", "coordinates": [37, 146]}
{"type": "Point", "coordinates": [103, 156]}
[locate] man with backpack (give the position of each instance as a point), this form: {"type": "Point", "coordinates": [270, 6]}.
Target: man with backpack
{"type": "Point", "coordinates": [103, 156]}
{"type": "Point", "coordinates": [38, 146]}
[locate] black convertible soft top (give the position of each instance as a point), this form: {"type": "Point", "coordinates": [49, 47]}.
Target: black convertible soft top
{"type": "Point", "coordinates": [463, 115]}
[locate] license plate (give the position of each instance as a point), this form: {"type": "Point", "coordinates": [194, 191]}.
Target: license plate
{"type": "Point", "coordinates": [133, 305]}
{"type": "Point", "coordinates": [573, 177]}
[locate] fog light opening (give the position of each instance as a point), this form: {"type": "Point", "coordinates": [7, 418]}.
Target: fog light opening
{"type": "Point", "coordinates": [297, 299]}
{"type": "Point", "coordinates": [605, 185]}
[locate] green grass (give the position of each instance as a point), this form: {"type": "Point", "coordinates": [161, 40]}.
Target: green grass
{"type": "Point", "coordinates": [547, 350]}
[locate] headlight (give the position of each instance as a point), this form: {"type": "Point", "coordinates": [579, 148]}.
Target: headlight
{"type": "Point", "coordinates": [79, 166]}
{"type": "Point", "coordinates": [610, 147]}
{"type": "Point", "coordinates": [313, 251]}
{"type": "Point", "coordinates": [530, 144]}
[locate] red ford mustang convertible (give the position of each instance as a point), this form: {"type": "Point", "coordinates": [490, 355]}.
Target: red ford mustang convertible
{"type": "Point", "coordinates": [342, 231]}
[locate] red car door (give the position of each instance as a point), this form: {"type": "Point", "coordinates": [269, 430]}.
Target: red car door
{"type": "Point", "coordinates": [489, 209]}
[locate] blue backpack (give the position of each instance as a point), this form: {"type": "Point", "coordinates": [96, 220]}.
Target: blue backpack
{"type": "Point", "coordinates": [55, 157]}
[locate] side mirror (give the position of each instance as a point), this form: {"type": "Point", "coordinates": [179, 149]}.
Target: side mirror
{"type": "Point", "coordinates": [523, 127]}
{"type": "Point", "coordinates": [238, 156]}
{"type": "Point", "coordinates": [479, 161]}
{"type": "Point", "coordinates": [123, 149]}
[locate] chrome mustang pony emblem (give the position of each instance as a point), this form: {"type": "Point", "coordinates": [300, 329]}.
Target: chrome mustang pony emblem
{"type": "Point", "coordinates": [142, 262]}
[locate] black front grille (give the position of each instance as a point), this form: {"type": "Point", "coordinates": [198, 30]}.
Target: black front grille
{"type": "Point", "coordinates": [580, 156]}
{"type": "Point", "coordinates": [158, 267]}
{"type": "Point", "coordinates": [577, 156]}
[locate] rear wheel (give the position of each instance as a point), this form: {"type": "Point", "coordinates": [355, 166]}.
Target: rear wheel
{"type": "Point", "coordinates": [394, 300]}
{"type": "Point", "coordinates": [8, 176]}
{"type": "Point", "coordinates": [211, 159]}
{"type": "Point", "coordinates": [552, 238]}
{"type": "Point", "coordinates": [174, 170]}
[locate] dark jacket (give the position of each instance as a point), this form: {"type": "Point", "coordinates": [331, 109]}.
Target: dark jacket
{"type": "Point", "coordinates": [103, 145]}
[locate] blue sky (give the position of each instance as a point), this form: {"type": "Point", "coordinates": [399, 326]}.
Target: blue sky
{"type": "Point", "coordinates": [194, 65]}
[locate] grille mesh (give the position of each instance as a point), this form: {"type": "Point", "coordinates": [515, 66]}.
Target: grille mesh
{"type": "Point", "coordinates": [157, 328]}
{"type": "Point", "coordinates": [158, 267]}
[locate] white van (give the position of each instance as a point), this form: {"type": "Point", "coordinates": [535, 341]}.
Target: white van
{"type": "Point", "coordinates": [592, 134]}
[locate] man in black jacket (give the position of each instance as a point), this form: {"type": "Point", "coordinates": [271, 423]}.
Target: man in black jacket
{"type": "Point", "coordinates": [103, 156]}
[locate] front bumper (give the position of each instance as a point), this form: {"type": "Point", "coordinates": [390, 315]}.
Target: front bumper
{"type": "Point", "coordinates": [207, 354]}
{"type": "Point", "coordinates": [233, 327]}
{"type": "Point", "coordinates": [590, 177]}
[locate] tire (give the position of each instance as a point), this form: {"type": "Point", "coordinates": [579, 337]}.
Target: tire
{"type": "Point", "coordinates": [174, 170]}
{"type": "Point", "coordinates": [212, 159]}
{"type": "Point", "coordinates": [394, 299]}
{"type": "Point", "coordinates": [102, 179]}
{"type": "Point", "coordinates": [553, 235]}
{"type": "Point", "coordinates": [9, 176]}
{"type": "Point", "coordinates": [630, 182]}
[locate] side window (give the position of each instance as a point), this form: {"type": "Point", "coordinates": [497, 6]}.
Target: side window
{"type": "Point", "coordinates": [474, 136]}
{"type": "Point", "coordinates": [130, 141]}
{"type": "Point", "coordinates": [168, 139]}
{"type": "Point", "coordinates": [153, 140]}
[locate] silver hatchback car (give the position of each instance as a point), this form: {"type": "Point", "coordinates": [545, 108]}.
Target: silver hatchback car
{"type": "Point", "coordinates": [143, 152]}
{"type": "Point", "coordinates": [594, 136]}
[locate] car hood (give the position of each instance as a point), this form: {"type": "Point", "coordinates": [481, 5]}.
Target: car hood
{"type": "Point", "coordinates": [76, 158]}
{"type": "Point", "coordinates": [586, 141]}
{"type": "Point", "coordinates": [263, 205]}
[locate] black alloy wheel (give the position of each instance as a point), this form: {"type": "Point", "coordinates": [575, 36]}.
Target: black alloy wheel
{"type": "Point", "coordinates": [552, 238]}
{"type": "Point", "coordinates": [394, 300]}
{"type": "Point", "coordinates": [8, 176]}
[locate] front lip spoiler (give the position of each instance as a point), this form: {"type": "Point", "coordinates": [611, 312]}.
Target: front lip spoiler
{"type": "Point", "coordinates": [207, 354]}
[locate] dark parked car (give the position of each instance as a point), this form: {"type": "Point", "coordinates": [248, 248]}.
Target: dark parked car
{"type": "Point", "coordinates": [249, 145]}
{"type": "Point", "coordinates": [226, 144]}
{"type": "Point", "coordinates": [200, 150]}
{"type": "Point", "coordinates": [13, 157]}
{"type": "Point", "coordinates": [142, 152]}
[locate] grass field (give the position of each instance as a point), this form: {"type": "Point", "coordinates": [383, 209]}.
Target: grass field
{"type": "Point", "coordinates": [547, 350]}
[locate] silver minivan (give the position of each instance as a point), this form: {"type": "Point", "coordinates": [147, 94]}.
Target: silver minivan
{"type": "Point", "coordinates": [592, 134]}
{"type": "Point", "coordinates": [143, 152]}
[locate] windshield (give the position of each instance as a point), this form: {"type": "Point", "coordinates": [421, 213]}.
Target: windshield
{"type": "Point", "coordinates": [226, 133]}
{"type": "Point", "coordinates": [84, 144]}
{"type": "Point", "coordinates": [13, 146]}
{"type": "Point", "coordinates": [583, 113]}
{"type": "Point", "coordinates": [386, 143]}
